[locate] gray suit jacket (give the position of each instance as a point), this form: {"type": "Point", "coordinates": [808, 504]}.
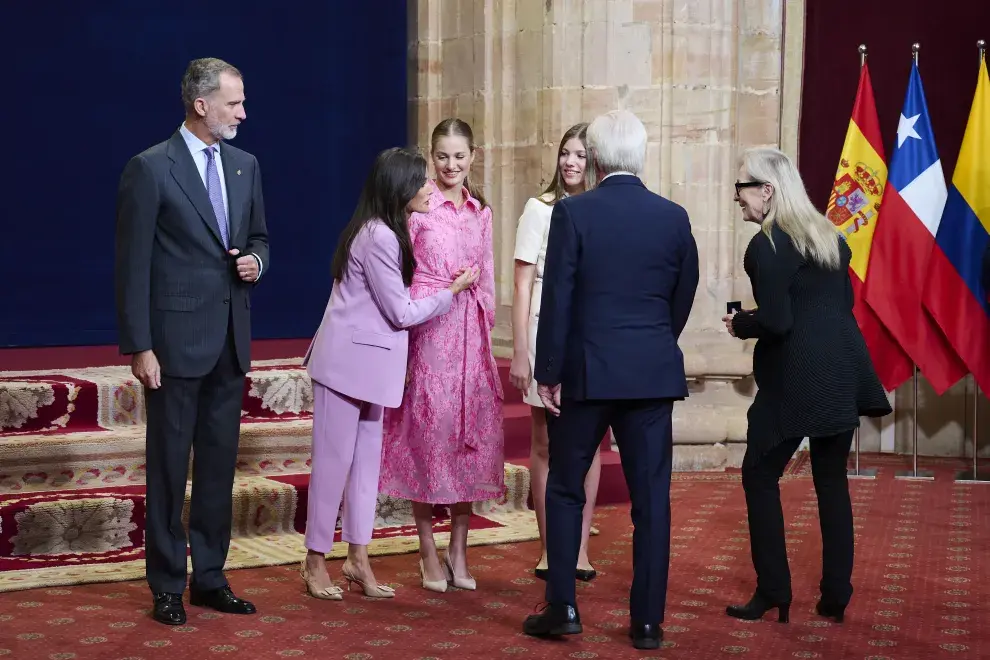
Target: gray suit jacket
{"type": "Point", "coordinates": [177, 289]}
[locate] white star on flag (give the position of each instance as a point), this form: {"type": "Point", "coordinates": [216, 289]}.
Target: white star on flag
{"type": "Point", "coordinates": [905, 129]}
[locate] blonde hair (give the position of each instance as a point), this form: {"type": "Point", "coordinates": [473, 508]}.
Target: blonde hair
{"type": "Point", "coordinates": [813, 236]}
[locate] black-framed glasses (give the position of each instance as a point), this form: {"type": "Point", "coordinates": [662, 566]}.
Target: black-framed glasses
{"type": "Point", "coordinates": [747, 184]}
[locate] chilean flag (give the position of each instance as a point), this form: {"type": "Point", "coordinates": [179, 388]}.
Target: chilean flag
{"type": "Point", "coordinates": [909, 217]}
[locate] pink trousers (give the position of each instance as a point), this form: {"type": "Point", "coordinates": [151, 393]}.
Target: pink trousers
{"type": "Point", "coordinates": [347, 457]}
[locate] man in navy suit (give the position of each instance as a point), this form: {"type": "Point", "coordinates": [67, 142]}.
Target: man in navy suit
{"type": "Point", "coordinates": [620, 277]}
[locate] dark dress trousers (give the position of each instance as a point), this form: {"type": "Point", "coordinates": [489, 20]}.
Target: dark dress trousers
{"type": "Point", "coordinates": [815, 380]}
{"type": "Point", "coordinates": [620, 278]}
{"type": "Point", "coordinates": [179, 295]}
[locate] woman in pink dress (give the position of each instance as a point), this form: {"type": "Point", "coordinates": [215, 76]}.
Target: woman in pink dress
{"type": "Point", "coordinates": [444, 444]}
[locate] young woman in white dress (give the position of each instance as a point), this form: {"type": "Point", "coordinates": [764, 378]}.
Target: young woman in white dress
{"type": "Point", "coordinates": [570, 178]}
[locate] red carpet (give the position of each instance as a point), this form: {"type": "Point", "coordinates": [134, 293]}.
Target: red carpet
{"type": "Point", "coordinates": [922, 551]}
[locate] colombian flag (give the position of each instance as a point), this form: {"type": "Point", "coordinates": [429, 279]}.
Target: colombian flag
{"type": "Point", "coordinates": [955, 296]}
{"type": "Point", "coordinates": [853, 208]}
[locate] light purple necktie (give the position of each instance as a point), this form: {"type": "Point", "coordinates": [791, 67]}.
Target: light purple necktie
{"type": "Point", "coordinates": [216, 195]}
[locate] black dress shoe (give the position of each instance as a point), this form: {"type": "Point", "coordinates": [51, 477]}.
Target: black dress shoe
{"type": "Point", "coordinates": [541, 573]}
{"type": "Point", "coordinates": [554, 620]}
{"type": "Point", "coordinates": [757, 607]}
{"type": "Point", "coordinates": [221, 600]}
{"type": "Point", "coordinates": [645, 635]}
{"type": "Point", "coordinates": [168, 609]}
{"type": "Point", "coordinates": [831, 610]}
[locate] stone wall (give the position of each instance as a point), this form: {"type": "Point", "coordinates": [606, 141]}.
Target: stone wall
{"type": "Point", "coordinates": [705, 78]}
{"type": "Point", "coordinates": [708, 78]}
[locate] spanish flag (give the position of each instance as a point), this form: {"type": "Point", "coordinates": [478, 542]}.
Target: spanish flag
{"type": "Point", "coordinates": [955, 295]}
{"type": "Point", "coordinates": [853, 208]}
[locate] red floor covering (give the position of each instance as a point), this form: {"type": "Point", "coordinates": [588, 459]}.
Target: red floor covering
{"type": "Point", "coordinates": [922, 551]}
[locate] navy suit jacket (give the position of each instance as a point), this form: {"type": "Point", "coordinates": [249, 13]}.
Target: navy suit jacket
{"type": "Point", "coordinates": [619, 282]}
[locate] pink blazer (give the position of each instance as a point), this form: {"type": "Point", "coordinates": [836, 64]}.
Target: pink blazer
{"type": "Point", "coordinates": [361, 346]}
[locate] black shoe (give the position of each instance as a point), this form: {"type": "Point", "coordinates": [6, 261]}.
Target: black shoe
{"type": "Point", "coordinates": [757, 607]}
{"type": "Point", "coordinates": [221, 600]}
{"type": "Point", "coordinates": [554, 620]}
{"type": "Point", "coordinates": [585, 574]}
{"type": "Point", "coordinates": [645, 635]}
{"type": "Point", "coordinates": [831, 610]}
{"type": "Point", "coordinates": [168, 609]}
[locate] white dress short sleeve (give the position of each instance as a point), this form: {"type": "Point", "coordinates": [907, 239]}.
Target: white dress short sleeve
{"type": "Point", "coordinates": [531, 248]}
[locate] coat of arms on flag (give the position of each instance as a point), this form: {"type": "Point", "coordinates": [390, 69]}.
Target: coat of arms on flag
{"type": "Point", "coordinates": [855, 197]}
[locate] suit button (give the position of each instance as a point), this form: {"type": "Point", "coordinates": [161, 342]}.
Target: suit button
{"type": "Point", "coordinates": [226, 300]}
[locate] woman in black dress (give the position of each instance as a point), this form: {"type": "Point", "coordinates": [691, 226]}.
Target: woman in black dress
{"type": "Point", "coordinates": [814, 375]}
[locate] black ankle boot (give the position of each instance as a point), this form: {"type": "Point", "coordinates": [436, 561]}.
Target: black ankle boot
{"type": "Point", "coordinates": [831, 610]}
{"type": "Point", "coordinates": [757, 607]}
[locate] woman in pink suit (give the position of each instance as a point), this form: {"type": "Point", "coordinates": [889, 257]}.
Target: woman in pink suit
{"type": "Point", "coordinates": [444, 444]}
{"type": "Point", "coordinates": [357, 363]}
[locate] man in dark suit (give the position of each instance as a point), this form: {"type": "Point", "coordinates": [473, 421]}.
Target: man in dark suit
{"type": "Point", "coordinates": [620, 277]}
{"type": "Point", "coordinates": [191, 244]}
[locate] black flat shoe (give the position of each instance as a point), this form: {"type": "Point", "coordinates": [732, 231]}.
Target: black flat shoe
{"type": "Point", "coordinates": [831, 611]}
{"type": "Point", "coordinates": [585, 574]}
{"type": "Point", "coordinates": [645, 636]}
{"type": "Point", "coordinates": [757, 607]}
{"type": "Point", "coordinates": [221, 600]}
{"type": "Point", "coordinates": [582, 574]}
{"type": "Point", "coordinates": [168, 609]}
{"type": "Point", "coordinates": [553, 621]}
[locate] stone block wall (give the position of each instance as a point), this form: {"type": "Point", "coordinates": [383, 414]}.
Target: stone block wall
{"type": "Point", "coordinates": [707, 77]}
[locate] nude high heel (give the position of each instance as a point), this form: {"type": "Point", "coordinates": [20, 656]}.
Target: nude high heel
{"type": "Point", "coordinates": [371, 591]}
{"type": "Point", "coordinates": [439, 586]}
{"type": "Point", "coordinates": [333, 592]}
{"type": "Point", "coordinates": [468, 583]}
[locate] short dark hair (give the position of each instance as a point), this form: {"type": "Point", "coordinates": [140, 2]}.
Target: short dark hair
{"type": "Point", "coordinates": [394, 180]}
{"type": "Point", "coordinates": [202, 78]}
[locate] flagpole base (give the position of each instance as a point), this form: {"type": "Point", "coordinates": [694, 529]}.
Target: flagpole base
{"type": "Point", "coordinates": [864, 473]}
{"type": "Point", "coordinates": [915, 475]}
{"type": "Point", "coordinates": [968, 477]}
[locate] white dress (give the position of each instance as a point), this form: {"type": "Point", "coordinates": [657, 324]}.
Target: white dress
{"type": "Point", "coordinates": [531, 248]}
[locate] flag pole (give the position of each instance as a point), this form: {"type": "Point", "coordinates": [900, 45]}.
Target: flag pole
{"type": "Point", "coordinates": [857, 472]}
{"type": "Point", "coordinates": [973, 476]}
{"type": "Point", "coordinates": [915, 474]}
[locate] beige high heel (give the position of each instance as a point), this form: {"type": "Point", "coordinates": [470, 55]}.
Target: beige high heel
{"type": "Point", "coordinates": [468, 583]}
{"type": "Point", "coordinates": [371, 591]}
{"type": "Point", "coordinates": [439, 586]}
{"type": "Point", "coordinates": [333, 592]}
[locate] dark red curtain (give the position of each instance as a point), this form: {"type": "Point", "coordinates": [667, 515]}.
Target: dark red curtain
{"type": "Point", "coordinates": [947, 31]}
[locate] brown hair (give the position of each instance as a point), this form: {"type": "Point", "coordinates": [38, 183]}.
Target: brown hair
{"type": "Point", "coordinates": [555, 191]}
{"type": "Point", "coordinates": [448, 128]}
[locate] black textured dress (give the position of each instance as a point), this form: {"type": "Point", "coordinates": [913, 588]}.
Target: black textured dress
{"type": "Point", "coordinates": [811, 364]}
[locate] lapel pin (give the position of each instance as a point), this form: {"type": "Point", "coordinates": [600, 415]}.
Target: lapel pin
{"type": "Point", "coordinates": [238, 172]}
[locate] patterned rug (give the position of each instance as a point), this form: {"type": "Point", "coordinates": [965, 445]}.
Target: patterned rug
{"type": "Point", "coordinates": [922, 550]}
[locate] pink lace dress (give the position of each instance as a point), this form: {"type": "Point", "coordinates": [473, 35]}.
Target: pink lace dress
{"type": "Point", "coordinates": [444, 444]}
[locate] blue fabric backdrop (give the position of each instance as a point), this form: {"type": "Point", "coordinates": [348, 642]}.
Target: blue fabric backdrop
{"type": "Point", "coordinates": [91, 84]}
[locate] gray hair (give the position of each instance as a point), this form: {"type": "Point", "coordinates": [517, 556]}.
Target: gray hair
{"type": "Point", "coordinates": [617, 140]}
{"type": "Point", "coordinates": [202, 78]}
